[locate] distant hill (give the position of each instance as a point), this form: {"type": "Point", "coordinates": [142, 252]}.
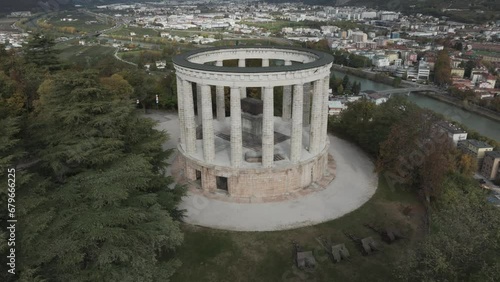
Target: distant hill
{"type": "Point", "coordinates": [8, 6]}
{"type": "Point", "coordinates": [459, 10]}
{"type": "Point", "coordinates": [492, 5]}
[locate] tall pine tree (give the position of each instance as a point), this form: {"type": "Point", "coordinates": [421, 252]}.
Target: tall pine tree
{"type": "Point", "coordinates": [99, 207]}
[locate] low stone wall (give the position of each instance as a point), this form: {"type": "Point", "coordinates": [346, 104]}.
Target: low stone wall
{"type": "Point", "coordinates": [246, 185]}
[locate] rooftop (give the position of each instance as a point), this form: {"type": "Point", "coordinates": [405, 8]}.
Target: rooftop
{"type": "Point", "coordinates": [494, 154]}
{"type": "Point", "coordinates": [321, 60]}
{"type": "Point", "coordinates": [477, 143]}
{"type": "Point", "coordinates": [450, 127]}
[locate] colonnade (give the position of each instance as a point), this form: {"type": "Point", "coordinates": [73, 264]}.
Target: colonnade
{"type": "Point", "coordinates": [296, 107]}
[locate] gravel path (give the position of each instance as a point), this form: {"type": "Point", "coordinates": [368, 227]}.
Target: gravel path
{"type": "Point", "coordinates": [354, 184]}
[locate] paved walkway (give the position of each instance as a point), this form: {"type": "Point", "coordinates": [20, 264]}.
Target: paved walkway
{"type": "Point", "coordinates": [354, 184]}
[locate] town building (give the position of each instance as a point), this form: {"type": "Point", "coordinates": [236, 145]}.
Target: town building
{"type": "Point", "coordinates": [454, 132]}
{"type": "Point", "coordinates": [380, 61]}
{"type": "Point", "coordinates": [388, 16]}
{"type": "Point", "coordinates": [457, 72]}
{"type": "Point", "coordinates": [377, 98]}
{"type": "Point", "coordinates": [476, 149]}
{"type": "Point", "coordinates": [491, 165]}
{"type": "Point", "coordinates": [335, 107]}
{"type": "Point", "coordinates": [424, 70]}
{"type": "Point", "coordinates": [395, 35]}
{"type": "Point", "coordinates": [359, 36]}
{"type": "Point", "coordinates": [392, 56]}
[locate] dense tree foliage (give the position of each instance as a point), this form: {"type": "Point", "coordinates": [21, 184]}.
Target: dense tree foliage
{"type": "Point", "coordinates": [442, 68]}
{"type": "Point", "coordinates": [468, 66]}
{"type": "Point", "coordinates": [95, 201]}
{"type": "Point", "coordinates": [415, 153]}
{"type": "Point", "coordinates": [369, 125]}
{"type": "Point", "coordinates": [463, 244]}
{"type": "Point", "coordinates": [100, 192]}
{"type": "Point", "coordinates": [344, 86]}
{"type": "Point", "coordinates": [40, 51]}
{"type": "Point", "coordinates": [351, 60]}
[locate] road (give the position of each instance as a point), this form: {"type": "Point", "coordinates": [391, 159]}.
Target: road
{"type": "Point", "coordinates": [120, 59]}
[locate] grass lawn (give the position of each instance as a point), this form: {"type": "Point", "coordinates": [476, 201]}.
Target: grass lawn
{"type": "Point", "coordinates": [80, 53]}
{"type": "Point", "coordinates": [216, 255]}
{"type": "Point", "coordinates": [87, 56]}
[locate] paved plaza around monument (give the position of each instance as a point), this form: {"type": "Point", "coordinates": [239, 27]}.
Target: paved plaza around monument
{"type": "Point", "coordinates": [354, 184]}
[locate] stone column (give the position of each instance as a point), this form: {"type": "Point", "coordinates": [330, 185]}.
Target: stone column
{"type": "Point", "coordinates": [219, 100]}
{"type": "Point", "coordinates": [190, 124]}
{"type": "Point", "coordinates": [316, 114]}
{"type": "Point", "coordinates": [307, 104]}
{"type": "Point", "coordinates": [324, 118]}
{"type": "Point", "coordinates": [287, 98]}
{"type": "Point", "coordinates": [198, 103]}
{"type": "Point", "coordinates": [296, 143]}
{"type": "Point", "coordinates": [180, 105]}
{"type": "Point", "coordinates": [219, 63]}
{"type": "Point", "coordinates": [268, 127]}
{"type": "Point", "coordinates": [287, 102]}
{"type": "Point", "coordinates": [265, 64]}
{"type": "Point", "coordinates": [208, 126]}
{"type": "Point", "coordinates": [236, 135]}
{"type": "Point", "coordinates": [243, 92]}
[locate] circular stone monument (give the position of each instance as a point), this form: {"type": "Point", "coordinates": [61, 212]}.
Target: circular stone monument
{"type": "Point", "coordinates": [233, 145]}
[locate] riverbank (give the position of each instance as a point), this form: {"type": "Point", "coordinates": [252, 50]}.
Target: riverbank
{"type": "Point", "coordinates": [377, 77]}
{"type": "Point", "coordinates": [445, 99]}
{"type": "Point", "coordinates": [466, 107]}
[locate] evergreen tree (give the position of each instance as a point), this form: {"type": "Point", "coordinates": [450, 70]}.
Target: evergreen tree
{"type": "Point", "coordinates": [144, 85]}
{"type": "Point", "coordinates": [356, 88]}
{"type": "Point", "coordinates": [11, 151]}
{"type": "Point", "coordinates": [40, 51]}
{"type": "Point", "coordinates": [332, 81]}
{"type": "Point", "coordinates": [468, 67]}
{"type": "Point", "coordinates": [340, 90]}
{"type": "Point", "coordinates": [345, 81]}
{"type": "Point", "coordinates": [99, 207]}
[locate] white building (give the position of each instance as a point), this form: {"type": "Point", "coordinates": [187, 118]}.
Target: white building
{"type": "Point", "coordinates": [454, 132]}
{"type": "Point", "coordinates": [389, 16]}
{"type": "Point", "coordinates": [424, 70]}
{"type": "Point", "coordinates": [412, 74]}
{"type": "Point", "coordinates": [368, 15]}
{"type": "Point", "coordinates": [161, 64]}
{"type": "Point", "coordinates": [335, 107]}
{"type": "Point", "coordinates": [380, 61]}
{"type": "Point", "coordinates": [359, 36]}
{"type": "Point", "coordinates": [378, 98]}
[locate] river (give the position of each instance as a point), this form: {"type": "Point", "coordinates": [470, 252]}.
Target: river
{"type": "Point", "coordinates": [482, 125]}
